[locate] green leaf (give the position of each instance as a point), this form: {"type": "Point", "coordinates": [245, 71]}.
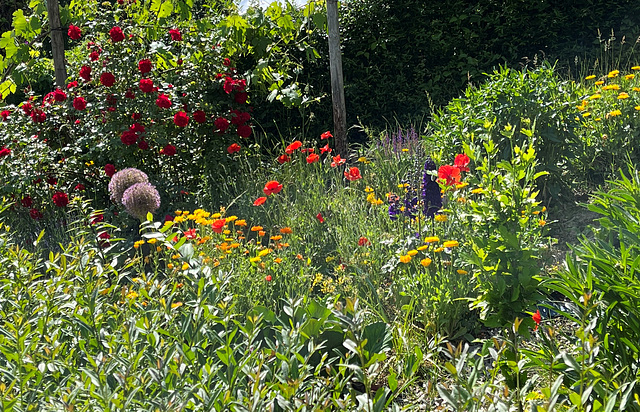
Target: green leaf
{"type": "Point", "coordinates": [166, 9]}
{"type": "Point", "coordinates": [20, 24]}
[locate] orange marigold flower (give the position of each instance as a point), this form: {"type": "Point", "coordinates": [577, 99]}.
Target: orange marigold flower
{"type": "Point", "coordinates": [286, 230]}
{"type": "Point", "coordinates": [262, 233]}
{"type": "Point", "coordinates": [256, 228]}
{"type": "Point", "coordinates": [276, 237]}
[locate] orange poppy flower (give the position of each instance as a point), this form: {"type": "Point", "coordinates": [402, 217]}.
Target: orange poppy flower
{"type": "Point", "coordinates": [293, 147]}
{"type": "Point", "coordinates": [259, 201]}
{"type": "Point", "coordinates": [272, 187]}
{"type": "Point", "coordinates": [312, 158]}
{"type": "Point", "coordinates": [353, 174]}
{"type": "Point", "coordinates": [218, 225]}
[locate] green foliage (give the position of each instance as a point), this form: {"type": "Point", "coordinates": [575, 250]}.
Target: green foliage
{"type": "Point", "coordinates": [505, 229]}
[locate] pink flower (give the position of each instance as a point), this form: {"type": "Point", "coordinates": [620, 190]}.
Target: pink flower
{"type": "Point", "coordinates": [116, 34]}
{"type": "Point", "coordinates": [74, 32]}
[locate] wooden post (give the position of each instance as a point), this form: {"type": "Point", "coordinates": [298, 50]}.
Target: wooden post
{"type": "Point", "coordinates": [57, 43]}
{"type": "Point", "coordinates": [337, 86]}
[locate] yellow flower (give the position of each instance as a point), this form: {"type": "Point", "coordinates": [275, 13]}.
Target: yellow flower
{"type": "Point", "coordinates": [462, 272]}
{"type": "Point", "coordinates": [264, 252]}
{"type": "Point", "coordinates": [256, 228]}
{"type": "Point", "coordinates": [276, 238]}
{"type": "Point", "coordinates": [255, 259]}
{"type": "Point", "coordinates": [231, 218]}
{"type": "Point", "coordinates": [216, 216]}
{"type": "Point", "coordinates": [403, 185]}
{"type": "Point", "coordinates": [158, 249]}
{"type": "Point", "coordinates": [368, 189]}
{"type": "Point", "coordinates": [438, 250]}
{"type": "Point", "coordinates": [636, 89]}
{"type": "Point", "coordinates": [635, 68]}
{"type": "Point", "coordinates": [441, 217]}
{"type": "Point", "coordinates": [179, 219]}
{"type": "Point", "coordinates": [611, 87]}
{"type": "Point", "coordinates": [169, 266]}
{"type": "Point", "coordinates": [240, 222]}
{"type": "Point", "coordinates": [595, 96]}
{"type": "Point", "coordinates": [431, 239]}
{"type": "Point", "coordinates": [451, 243]}
{"type": "Point", "coordinates": [613, 73]}
{"type": "Point", "coordinates": [629, 76]}
{"type": "Point", "coordinates": [590, 77]}
{"type": "Point", "coordinates": [178, 212]}
{"type": "Point", "coordinates": [461, 185]}
{"type": "Point", "coordinates": [152, 241]}
{"type": "Point", "coordinates": [405, 150]}
{"type": "Point", "coordinates": [363, 160]}
{"type": "Point", "coordinates": [597, 119]}
{"type": "Point", "coordinates": [138, 244]}
{"type": "Point", "coordinates": [477, 191]}
{"type": "Point", "coordinates": [614, 113]}
{"type": "Point", "coordinates": [132, 295]}
{"type": "Point", "coordinates": [185, 266]}
{"type": "Point", "coordinates": [226, 232]}
{"type": "Point", "coordinates": [405, 258]}
{"type": "Point", "coordinates": [176, 305]}
{"type": "Point", "coordinates": [412, 252]}
{"type": "Point", "coordinates": [623, 95]}
{"type": "Point", "coordinates": [425, 262]}
{"type": "Point", "coordinates": [599, 83]}
{"type": "Point", "coordinates": [587, 114]}
{"type": "Point", "coordinates": [542, 222]}
{"type": "Point", "coordinates": [423, 247]}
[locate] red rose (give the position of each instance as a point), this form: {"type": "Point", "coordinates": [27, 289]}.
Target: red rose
{"type": "Point", "coordinates": [137, 127]}
{"type": "Point", "coordinates": [146, 85]}
{"type": "Point", "coordinates": [72, 84]}
{"type": "Point", "coordinates": [136, 116]}
{"type": "Point", "coordinates": [128, 137]}
{"type": "Point", "coordinates": [143, 145]}
{"type": "Point", "coordinates": [312, 158]}
{"type": "Point", "coordinates": [5, 114]}
{"type": "Point", "coordinates": [79, 187]}
{"type": "Point", "coordinates": [234, 148]}
{"type": "Point", "coordinates": [175, 35]}
{"type": "Point", "coordinates": [226, 61]}
{"type": "Point", "coordinates": [228, 84]}
{"type": "Point", "coordinates": [38, 116]}
{"type": "Point", "coordinates": [85, 73]}
{"type": "Point", "coordinates": [35, 214]}
{"type": "Point", "coordinates": [116, 34]}
{"type": "Point", "coordinates": [282, 159]}
{"type": "Point", "coordinates": [168, 150]}
{"type": "Point", "coordinates": [181, 119]}
{"type": "Point", "coordinates": [59, 95]}
{"type": "Point", "coordinates": [26, 201]}
{"type": "Point", "coordinates": [79, 103]}
{"type": "Point", "coordinates": [163, 101]}
{"type": "Point", "coordinates": [107, 79]}
{"type": "Point", "coordinates": [272, 187]}
{"type": "Point", "coordinates": [293, 147]}
{"type": "Point", "coordinates": [240, 117]}
{"type": "Point", "coordinates": [239, 85]}
{"type": "Point", "coordinates": [129, 94]}
{"type": "Point", "coordinates": [74, 32]}
{"type": "Point", "coordinates": [241, 97]}
{"type": "Point", "coordinates": [221, 124]}
{"type": "Point", "coordinates": [244, 130]}
{"type": "Point", "coordinates": [352, 174]}
{"type": "Point", "coordinates": [144, 66]}
{"type": "Point", "coordinates": [52, 180]}
{"type": "Point", "coordinates": [27, 108]}
{"type": "Point", "coordinates": [199, 116]}
{"type": "Point", "coordinates": [5, 151]}
{"type": "Point", "coordinates": [60, 199]}
{"type": "Point", "coordinates": [94, 55]}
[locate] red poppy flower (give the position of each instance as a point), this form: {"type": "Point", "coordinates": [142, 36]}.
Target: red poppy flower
{"type": "Point", "coordinates": [537, 318]}
{"type": "Point", "coordinates": [268, 278]}
{"type": "Point", "coordinates": [312, 158]}
{"type": "Point", "coordinates": [326, 149]}
{"type": "Point", "coordinates": [461, 161]}
{"type": "Point", "coordinates": [326, 135]}
{"type": "Point", "coordinates": [308, 150]}
{"type": "Point", "coordinates": [259, 201]}
{"type": "Point", "coordinates": [337, 161]}
{"type": "Point", "coordinates": [449, 174]}
{"type": "Point", "coordinates": [190, 234]}
{"type": "Point", "coordinates": [107, 79]}
{"type": "Point", "coordinates": [320, 218]}
{"type": "Point", "coordinates": [145, 66]}
{"type": "Point", "coordinates": [283, 159]}
{"type": "Point", "coordinates": [352, 174]}
{"type": "Point", "coordinates": [181, 119]}
{"type": "Point", "coordinates": [74, 32]}
{"type": "Point", "coordinates": [218, 225]}
{"type": "Point", "coordinates": [293, 147]}
{"type": "Point", "coordinates": [363, 241]}
{"type": "Point", "coordinates": [272, 187]}
{"type": "Point", "coordinates": [234, 148]}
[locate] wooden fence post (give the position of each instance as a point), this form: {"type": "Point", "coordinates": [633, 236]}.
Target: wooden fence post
{"type": "Point", "coordinates": [57, 43]}
{"type": "Point", "coordinates": [337, 85]}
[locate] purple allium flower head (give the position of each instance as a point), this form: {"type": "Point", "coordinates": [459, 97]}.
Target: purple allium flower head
{"type": "Point", "coordinates": [123, 180]}
{"type": "Point", "coordinates": [431, 195]}
{"type": "Point", "coordinates": [140, 199]}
